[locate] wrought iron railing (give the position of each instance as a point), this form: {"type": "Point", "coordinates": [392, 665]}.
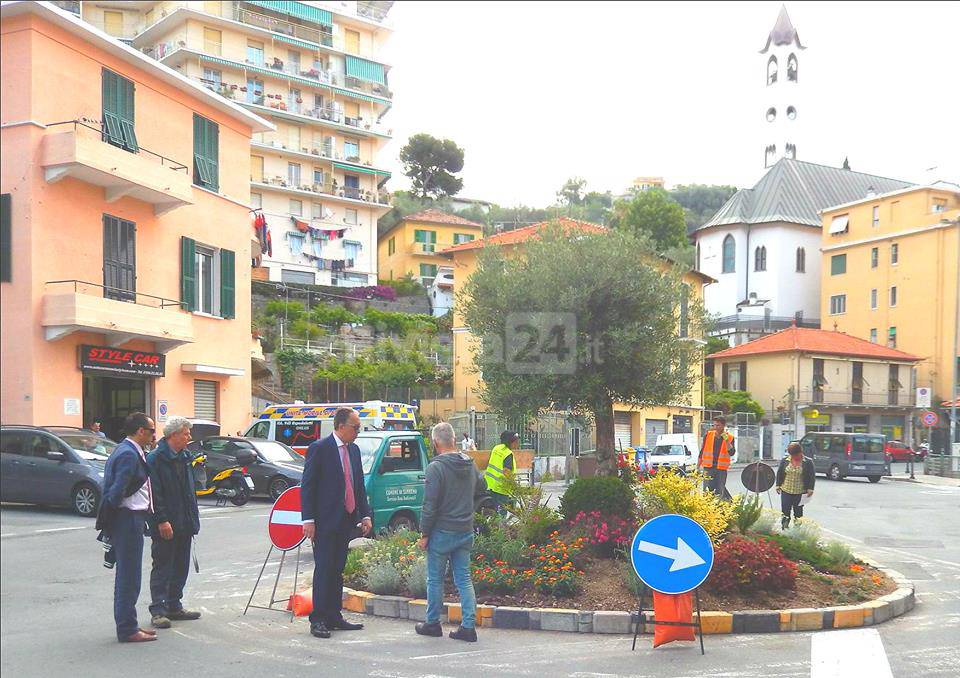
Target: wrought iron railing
{"type": "Point", "coordinates": [98, 127]}
{"type": "Point", "coordinates": [118, 293]}
{"type": "Point", "coordinates": [890, 398]}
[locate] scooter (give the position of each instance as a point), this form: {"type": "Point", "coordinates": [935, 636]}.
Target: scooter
{"type": "Point", "coordinates": [232, 483]}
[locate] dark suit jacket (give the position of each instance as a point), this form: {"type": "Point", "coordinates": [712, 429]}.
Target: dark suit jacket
{"type": "Point", "coordinates": [322, 486]}
{"type": "Point", "coordinates": [124, 474]}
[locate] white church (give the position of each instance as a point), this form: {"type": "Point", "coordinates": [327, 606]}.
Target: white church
{"type": "Point", "coordinates": [763, 245]}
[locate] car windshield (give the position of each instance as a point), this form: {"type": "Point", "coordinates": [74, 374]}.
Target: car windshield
{"type": "Point", "coordinates": [272, 451]}
{"type": "Point", "coordinates": [89, 446]}
{"type": "Point", "coordinates": [669, 450]}
{"type": "Point", "coordinates": [368, 452]}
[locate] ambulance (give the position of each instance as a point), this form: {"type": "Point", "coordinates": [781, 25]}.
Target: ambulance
{"type": "Point", "coordinates": [299, 425]}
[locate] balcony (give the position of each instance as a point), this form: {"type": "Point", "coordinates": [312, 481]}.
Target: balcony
{"type": "Point", "coordinates": [77, 149]}
{"type": "Point", "coordinates": [858, 398]}
{"type": "Point", "coordinates": [330, 188]}
{"type": "Point", "coordinates": [425, 248]}
{"type": "Point", "coordinates": [759, 324]}
{"type": "Point", "coordinates": [76, 306]}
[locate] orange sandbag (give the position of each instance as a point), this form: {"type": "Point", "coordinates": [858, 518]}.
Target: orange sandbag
{"type": "Point", "coordinates": [673, 608]}
{"type": "Point", "coordinates": [301, 603]}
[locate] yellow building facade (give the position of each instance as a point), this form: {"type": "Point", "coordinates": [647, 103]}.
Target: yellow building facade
{"type": "Point", "coordinates": [633, 426]}
{"type": "Point", "coordinates": [413, 246]}
{"type": "Point", "coordinates": [890, 276]}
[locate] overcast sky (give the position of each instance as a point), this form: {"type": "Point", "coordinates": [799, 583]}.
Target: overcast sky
{"type": "Point", "coordinates": [536, 92]}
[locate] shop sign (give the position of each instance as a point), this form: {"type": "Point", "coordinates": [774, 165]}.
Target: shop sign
{"type": "Point", "coordinates": [122, 361]}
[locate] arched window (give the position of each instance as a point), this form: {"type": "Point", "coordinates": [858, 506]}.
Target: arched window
{"type": "Point", "coordinates": [791, 113]}
{"type": "Point", "coordinates": [791, 151]}
{"type": "Point", "coordinates": [771, 114]}
{"type": "Point", "coordinates": [801, 260]}
{"type": "Point", "coordinates": [760, 259]}
{"type": "Point", "coordinates": [792, 68]}
{"type": "Point", "coordinates": [770, 155]}
{"type": "Point", "coordinates": [729, 254]}
{"type": "Point", "coordinates": [772, 68]}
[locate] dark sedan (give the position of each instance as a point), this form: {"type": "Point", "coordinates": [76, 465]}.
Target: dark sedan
{"type": "Point", "coordinates": [278, 467]}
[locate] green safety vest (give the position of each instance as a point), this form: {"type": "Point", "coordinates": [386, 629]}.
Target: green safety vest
{"type": "Point", "coordinates": [494, 474]}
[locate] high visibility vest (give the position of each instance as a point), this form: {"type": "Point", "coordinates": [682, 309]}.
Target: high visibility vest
{"type": "Point", "coordinates": [494, 474]}
{"type": "Point", "coordinates": [706, 452]}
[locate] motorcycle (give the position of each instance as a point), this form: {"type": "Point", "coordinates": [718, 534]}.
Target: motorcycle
{"type": "Point", "coordinates": [232, 484]}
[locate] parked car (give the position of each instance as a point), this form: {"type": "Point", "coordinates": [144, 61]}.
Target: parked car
{"type": "Point", "coordinates": [276, 469]}
{"type": "Point", "coordinates": [675, 450]}
{"type": "Point", "coordinates": [201, 429]}
{"type": "Point", "coordinates": [53, 465]}
{"type": "Point", "coordinates": [841, 455]}
{"type": "Point", "coordinates": [899, 451]}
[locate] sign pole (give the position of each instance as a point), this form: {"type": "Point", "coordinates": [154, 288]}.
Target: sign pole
{"type": "Point", "coordinates": [250, 600]}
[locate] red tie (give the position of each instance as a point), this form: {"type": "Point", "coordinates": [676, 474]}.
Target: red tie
{"type": "Point", "coordinates": [349, 501]}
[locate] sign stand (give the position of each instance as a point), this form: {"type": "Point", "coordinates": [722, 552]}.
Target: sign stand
{"type": "Point", "coordinates": [273, 594]}
{"type": "Point", "coordinates": [641, 620]}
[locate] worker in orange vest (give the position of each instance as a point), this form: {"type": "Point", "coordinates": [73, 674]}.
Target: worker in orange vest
{"type": "Point", "coordinates": [715, 453]}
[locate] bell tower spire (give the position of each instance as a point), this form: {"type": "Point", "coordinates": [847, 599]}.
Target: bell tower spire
{"type": "Point", "coordinates": [781, 60]}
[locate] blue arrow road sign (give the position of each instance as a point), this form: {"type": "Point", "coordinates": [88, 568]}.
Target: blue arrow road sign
{"type": "Point", "coordinates": [672, 554]}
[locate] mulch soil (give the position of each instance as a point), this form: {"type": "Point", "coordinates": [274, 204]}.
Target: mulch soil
{"type": "Point", "coordinates": [604, 589]}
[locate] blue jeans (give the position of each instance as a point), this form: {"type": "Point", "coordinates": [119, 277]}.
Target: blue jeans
{"type": "Point", "coordinates": [128, 547]}
{"type": "Point", "coordinates": [454, 546]}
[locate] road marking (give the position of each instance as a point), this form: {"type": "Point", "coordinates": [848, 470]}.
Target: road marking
{"type": "Point", "coordinates": [450, 654]}
{"type": "Point", "coordinates": [907, 554]}
{"type": "Point", "coordinates": [60, 529]}
{"type": "Point", "coordinates": [840, 654]}
{"type": "Point", "coordinates": [8, 534]}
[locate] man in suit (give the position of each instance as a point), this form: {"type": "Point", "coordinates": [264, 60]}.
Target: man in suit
{"type": "Point", "coordinates": [334, 504]}
{"type": "Point", "coordinates": [127, 495]}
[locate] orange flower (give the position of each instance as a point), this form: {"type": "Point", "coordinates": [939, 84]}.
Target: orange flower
{"type": "Point", "coordinates": [856, 568]}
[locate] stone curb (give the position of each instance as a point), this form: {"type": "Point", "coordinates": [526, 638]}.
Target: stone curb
{"type": "Point", "coordinates": [868, 613]}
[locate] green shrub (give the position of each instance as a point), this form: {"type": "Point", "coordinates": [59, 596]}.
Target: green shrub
{"type": "Point", "coordinates": [546, 477]}
{"type": "Point", "coordinates": [746, 512]}
{"type": "Point", "coordinates": [291, 310]}
{"type": "Point", "coordinates": [606, 494]}
{"type": "Point", "coordinates": [398, 548]}
{"type": "Point", "coordinates": [304, 329]}
{"type": "Point", "coordinates": [839, 553]}
{"type": "Point", "coordinates": [405, 287]}
{"type": "Point", "coordinates": [630, 578]}
{"type": "Point", "coordinates": [672, 493]}
{"type": "Point", "coordinates": [417, 578]}
{"type": "Point", "coordinates": [805, 530]}
{"type": "Point", "coordinates": [767, 522]}
{"type": "Point", "coordinates": [537, 524]}
{"type": "Point", "coordinates": [324, 314]}
{"type": "Point", "coordinates": [384, 578]}
{"type": "Point", "coordinates": [353, 574]}
{"type": "Point", "coordinates": [500, 544]}
{"type": "Point", "coordinates": [806, 551]}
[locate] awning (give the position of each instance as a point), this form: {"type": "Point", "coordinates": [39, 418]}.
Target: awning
{"type": "Point", "coordinates": [365, 70]}
{"type": "Point", "coordinates": [300, 10]}
{"type": "Point", "coordinates": [360, 170]}
{"type": "Point", "coordinates": [299, 43]}
{"type": "Point", "coordinates": [839, 223]}
{"type": "Point", "coordinates": [198, 368]}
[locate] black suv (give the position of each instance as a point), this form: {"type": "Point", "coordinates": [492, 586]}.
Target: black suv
{"type": "Point", "coordinates": [53, 465]}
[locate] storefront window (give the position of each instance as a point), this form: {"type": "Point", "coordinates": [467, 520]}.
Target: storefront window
{"type": "Point", "coordinates": [892, 427]}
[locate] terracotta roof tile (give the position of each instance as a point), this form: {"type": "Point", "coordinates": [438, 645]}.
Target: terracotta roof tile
{"type": "Point", "coordinates": [519, 235]}
{"type": "Point", "coordinates": [809, 340]}
{"type": "Point", "coordinates": [432, 216]}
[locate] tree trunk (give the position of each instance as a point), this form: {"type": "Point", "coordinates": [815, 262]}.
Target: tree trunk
{"type": "Point", "coordinates": [606, 443]}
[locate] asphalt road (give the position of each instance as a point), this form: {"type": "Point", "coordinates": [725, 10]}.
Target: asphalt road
{"type": "Point", "coordinates": [56, 611]}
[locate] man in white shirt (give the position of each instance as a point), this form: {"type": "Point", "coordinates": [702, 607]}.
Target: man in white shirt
{"type": "Point", "coordinates": [467, 444]}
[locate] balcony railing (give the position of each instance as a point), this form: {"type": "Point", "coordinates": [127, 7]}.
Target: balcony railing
{"type": "Point", "coordinates": [857, 398]}
{"type": "Point", "coordinates": [332, 188]}
{"type": "Point", "coordinates": [759, 323]}
{"type": "Point", "coordinates": [120, 294]}
{"type": "Point", "coordinates": [85, 126]}
{"type": "Point", "coordinates": [367, 87]}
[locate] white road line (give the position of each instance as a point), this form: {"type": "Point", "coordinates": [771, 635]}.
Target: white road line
{"type": "Point", "coordinates": [908, 554]}
{"type": "Point", "coordinates": [61, 529]}
{"type": "Point", "coordinates": [450, 654]}
{"type": "Point", "coordinates": [841, 654]}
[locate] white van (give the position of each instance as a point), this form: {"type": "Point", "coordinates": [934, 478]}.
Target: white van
{"type": "Point", "coordinates": [299, 425]}
{"type": "Point", "coordinates": [676, 450]}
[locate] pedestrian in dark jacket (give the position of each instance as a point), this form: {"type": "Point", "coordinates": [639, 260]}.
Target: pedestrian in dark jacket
{"type": "Point", "coordinates": [175, 522]}
{"type": "Point", "coordinates": [124, 512]}
{"type": "Point", "coordinates": [446, 521]}
{"type": "Point", "coordinates": [796, 476]}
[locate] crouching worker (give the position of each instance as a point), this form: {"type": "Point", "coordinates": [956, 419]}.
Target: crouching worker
{"type": "Point", "coordinates": [452, 485]}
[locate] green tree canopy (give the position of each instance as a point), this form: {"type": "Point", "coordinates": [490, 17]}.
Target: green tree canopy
{"type": "Point", "coordinates": [652, 214]}
{"type": "Point", "coordinates": [732, 401]}
{"type": "Point", "coordinates": [431, 164]}
{"type": "Point", "coordinates": [571, 193]}
{"type": "Point", "coordinates": [700, 202]}
{"type": "Point", "coordinates": [624, 346]}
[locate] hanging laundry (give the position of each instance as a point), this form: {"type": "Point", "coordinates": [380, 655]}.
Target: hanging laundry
{"type": "Point", "coordinates": [302, 226]}
{"type": "Point", "coordinates": [337, 265]}
{"type": "Point", "coordinates": [295, 241]}
{"type": "Point", "coordinates": [317, 248]}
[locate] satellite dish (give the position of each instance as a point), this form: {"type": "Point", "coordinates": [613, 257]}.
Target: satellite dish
{"type": "Point", "coordinates": [757, 477]}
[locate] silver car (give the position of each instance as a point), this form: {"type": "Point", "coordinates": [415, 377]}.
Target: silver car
{"type": "Point", "coordinates": [53, 465]}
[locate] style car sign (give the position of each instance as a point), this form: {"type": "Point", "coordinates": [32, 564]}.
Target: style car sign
{"type": "Point", "coordinates": [122, 361]}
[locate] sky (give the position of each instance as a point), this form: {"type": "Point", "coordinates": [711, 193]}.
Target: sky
{"type": "Point", "coordinates": [537, 92]}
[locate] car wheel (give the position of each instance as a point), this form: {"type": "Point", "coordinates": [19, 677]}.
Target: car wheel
{"type": "Point", "coordinates": [86, 500]}
{"type": "Point", "coordinates": [403, 521]}
{"type": "Point", "coordinates": [873, 479]}
{"type": "Point", "coordinates": [278, 486]}
{"type": "Point", "coordinates": [834, 473]}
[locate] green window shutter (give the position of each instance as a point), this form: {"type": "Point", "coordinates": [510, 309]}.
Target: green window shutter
{"type": "Point", "coordinates": [838, 264]}
{"type": "Point", "coordinates": [6, 242]}
{"type": "Point", "coordinates": [118, 95]}
{"type": "Point", "coordinates": [206, 153]}
{"type": "Point", "coordinates": [227, 284]}
{"type": "Point", "coordinates": [188, 273]}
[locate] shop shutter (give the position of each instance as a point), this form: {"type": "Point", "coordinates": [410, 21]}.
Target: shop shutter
{"type": "Point", "coordinates": [227, 284]}
{"type": "Point", "coordinates": [623, 430]}
{"type": "Point", "coordinates": [655, 428]}
{"type": "Point", "coordinates": [188, 274]}
{"type": "Point", "coordinates": [119, 259]}
{"type": "Point", "coordinates": [205, 399]}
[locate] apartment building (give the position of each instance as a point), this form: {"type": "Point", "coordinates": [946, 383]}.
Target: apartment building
{"type": "Point", "coordinates": [413, 246]}
{"type": "Point", "coordinates": [125, 235]}
{"type": "Point", "coordinates": [890, 276]}
{"type": "Point", "coordinates": [312, 69]}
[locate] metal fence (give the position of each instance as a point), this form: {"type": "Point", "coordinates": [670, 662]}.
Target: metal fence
{"type": "Point", "coordinates": [548, 435]}
{"type": "Point", "coordinates": [746, 431]}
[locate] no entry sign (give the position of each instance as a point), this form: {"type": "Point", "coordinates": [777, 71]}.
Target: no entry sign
{"type": "Point", "coordinates": [286, 526]}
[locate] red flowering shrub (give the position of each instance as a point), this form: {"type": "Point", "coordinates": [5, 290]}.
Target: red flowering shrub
{"type": "Point", "coordinates": [604, 533]}
{"type": "Point", "coordinates": [371, 291]}
{"type": "Point", "coordinates": [746, 565]}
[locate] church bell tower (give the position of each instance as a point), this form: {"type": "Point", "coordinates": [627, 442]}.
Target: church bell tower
{"type": "Point", "coordinates": [782, 110]}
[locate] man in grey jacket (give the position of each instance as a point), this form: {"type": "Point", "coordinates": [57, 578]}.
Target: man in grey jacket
{"type": "Point", "coordinates": [452, 484]}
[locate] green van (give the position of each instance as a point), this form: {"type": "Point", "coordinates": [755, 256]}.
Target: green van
{"type": "Point", "coordinates": [394, 471]}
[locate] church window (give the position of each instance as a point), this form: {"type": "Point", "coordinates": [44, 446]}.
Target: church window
{"type": "Point", "coordinates": [760, 259]}
{"type": "Point", "coordinates": [801, 260]}
{"type": "Point", "coordinates": [729, 254]}
{"type": "Point", "coordinates": [792, 68]}
{"type": "Point", "coordinates": [770, 155]}
{"type": "Point", "coordinates": [791, 151]}
{"type": "Point", "coordinates": [772, 70]}
{"type": "Point", "coordinates": [791, 113]}
{"type": "Point", "coordinates": [771, 114]}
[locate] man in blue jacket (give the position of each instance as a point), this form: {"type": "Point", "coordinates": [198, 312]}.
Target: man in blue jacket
{"type": "Point", "coordinates": [175, 522]}
{"type": "Point", "coordinates": [128, 499]}
{"type": "Point", "coordinates": [334, 504]}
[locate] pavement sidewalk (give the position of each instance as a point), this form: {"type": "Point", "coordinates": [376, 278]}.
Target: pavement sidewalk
{"type": "Point", "coordinates": [926, 480]}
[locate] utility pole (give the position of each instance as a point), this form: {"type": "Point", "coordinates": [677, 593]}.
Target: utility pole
{"type": "Point", "coordinates": [956, 342]}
